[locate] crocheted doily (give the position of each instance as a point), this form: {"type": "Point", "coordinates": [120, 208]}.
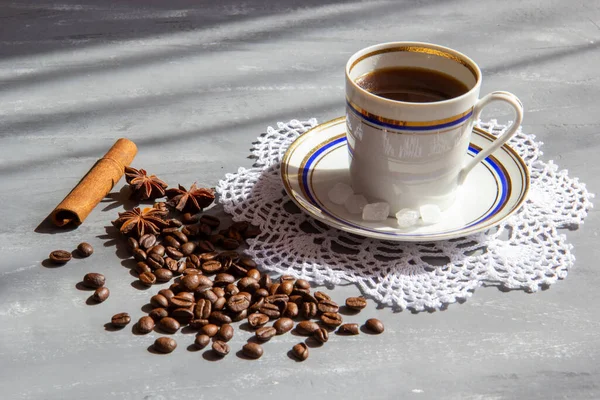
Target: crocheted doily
{"type": "Point", "coordinates": [526, 252]}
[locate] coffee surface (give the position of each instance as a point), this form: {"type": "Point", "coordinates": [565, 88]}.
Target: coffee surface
{"type": "Point", "coordinates": [412, 84]}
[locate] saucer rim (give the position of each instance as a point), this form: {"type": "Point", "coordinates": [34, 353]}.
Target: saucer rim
{"type": "Point", "coordinates": [423, 237]}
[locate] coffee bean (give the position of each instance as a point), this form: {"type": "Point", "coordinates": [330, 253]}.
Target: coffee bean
{"type": "Point", "coordinates": [169, 325]}
{"type": "Point", "coordinates": [168, 231]}
{"type": "Point", "coordinates": [216, 239]}
{"type": "Point", "coordinates": [158, 313]}
{"type": "Point", "coordinates": [238, 303]}
{"type": "Point", "coordinates": [59, 256]}
{"type": "Point", "coordinates": [210, 220]}
{"type": "Point", "coordinates": [248, 262]}
{"type": "Point", "coordinates": [274, 288]}
{"type": "Point", "coordinates": [165, 344]}
{"type": "Point", "coordinates": [328, 306]}
{"type": "Point", "coordinates": [302, 284]}
{"type": "Point", "coordinates": [308, 298]}
{"type": "Point", "coordinates": [300, 351]}
{"type": "Point", "coordinates": [174, 253]}
{"type": "Point", "coordinates": [248, 284]}
{"type": "Point", "coordinates": [142, 267]}
{"type": "Point", "coordinates": [132, 244]}
{"type": "Point", "coordinates": [223, 279]}
{"type": "Point", "coordinates": [204, 246]}
{"type": "Point", "coordinates": [230, 244]}
{"type": "Point", "coordinates": [203, 309]}
{"type": "Point", "coordinates": [252, 232]}
{"type": "Point", "coordinates": [252, 350]}
{"type": "Point", "coordinates": [231, 289]}
{"type": "Point", "coordinates": [145, 325]}
{"type": "Point", "coordinates": [220, 348]}
{"type": "Point", "coordinates": [176, 267]}
{"type": "Point", "coordinates": [193, 261]}
{"type": "Point", "coordinates": [158, 300]}
{"type": "Point", "coordinates": [331, 319]}
{"type": "Point", "coordinates": [204, 283]}
{"type": "Point", "coordinates": [321, 335]}
{"type": "Point", "coordinates": [198, 323]}
{"type": "Point", "coordinates": [297, 299]}
{"type": "Point", "coordinates": [188, 248]}
{"type": "Point", "coordinates": [190, 282]}
{"type": "Point", "coordinates": [155, 261]}
{"type": "Point", "coordinates": [139, 255]}
{"type": "Point", "coordinates": [191, 271]}
{"type": "Point", "coordinates": [265, 281]}
{"type": "Point", "coordinates": [257, 319]}
{"type": "Point", "coordinates": [168, 293]}
{"type": "Point", "coordinates": [226, 332]}
{"type": "Point", "coordinates": [209, 256]}
{"type": "Point", "coordinates": [239, 316]}
{"type": "Point", "coordinates": [283, 325]}
{"type": "Point", "coordinates": [180, 236]}
{"type": "Point", "coordinates": [287, 278]}
{"type": "Point", "coordinates": [286, 287]}
{"type": "Point", "coordinates": [201, 341]}
{"type": "Point", "coordinates": [210, 330]}
{"type": "Point", "coordinates": [265, 333]}
{"type": "Point", "coordinates": [147, 278]}
{"type": "Point", "coordinates": [291, 310]}
{"type": "Point", "coordinates": [219, 291]}
{"type": "Point", "coordinates": [94, 280]}
{"type": "Point", "coordinates": [306, 327]}
{"type": "Point", "coordinates": [189, 219]}
{"type": "Point", "coordinates": [85, 249]}
{"type": "Point", "coordinates": [258, 303]}
{"type": "Point", "coordinates": [237, 270]}
{"type": "Point", "coordinates": [254, 274]}
{"type": "Point", "coordinates": [181, 301]}
{"type": "Point", "coordinates": [101, 294]}
{"type": "Point", "coordinates": [348, 329]}
{"type": "Point", "coordinates": [356, 303]}
{"type": "Point", "coordinates": [261, 293]}
{"type": "Point", "coordinates": [163, 275]}
{"type": "Point", "coordinates": [182, 315]}
{"type": "Point", "coordinates": [170, 241]}
{"type": "Point", "coordinates": [271, 310]}
{"type": "Point", "coordinates": [147, 241]}
{"type": "Point", "coordinates": [120, 320]}
{"type": "Point", "coordinates": [188, 295]}
{"type": "Point", "coordinates": [320, 296]}
{"type": "Point", "coordinates": [233, 234]}
{"type": "Point", "coordinates": [280, 300]}
{"type": "Point", "coordinates": [218, 317]}
{"type": "Point", "coordinates": [374, 325]}
{"type": "Point", "coordinates": [210, 295]}
{"type": "Point", "coordinates": [157, 249]}
{"type": "Point", "coordinates": [211, 266]}
{"type": "Point", "coordinates": [309, 310]}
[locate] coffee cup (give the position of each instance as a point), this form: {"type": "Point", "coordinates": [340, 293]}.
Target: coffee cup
{"type": "Point", "coordinates": [410, 109]}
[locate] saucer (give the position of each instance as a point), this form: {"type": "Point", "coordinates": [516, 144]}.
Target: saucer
{"type": "Point", "coordinates": [318, 159]}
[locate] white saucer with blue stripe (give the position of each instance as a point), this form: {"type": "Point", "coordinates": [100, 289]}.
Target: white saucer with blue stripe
{"type": "Point", "coordinates": [318, 159]}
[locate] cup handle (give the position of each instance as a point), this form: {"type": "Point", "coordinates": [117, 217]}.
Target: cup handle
{"type": "Point", "coordinates": [510, 132]}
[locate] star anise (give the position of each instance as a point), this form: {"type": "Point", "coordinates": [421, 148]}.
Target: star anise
{"type": "Point", "coordinates": [139, 222]}
{"type": "Point", "coordinates": [143, 186]}
{"type": "Point", "coordinates": [192, 201]}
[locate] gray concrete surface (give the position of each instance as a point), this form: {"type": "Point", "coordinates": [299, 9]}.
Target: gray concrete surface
{"type": "Point", "coordinates": [193, 83]}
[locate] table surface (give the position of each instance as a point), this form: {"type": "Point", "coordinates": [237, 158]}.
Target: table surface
{"type": "Point", "coordinates": [193, 83]}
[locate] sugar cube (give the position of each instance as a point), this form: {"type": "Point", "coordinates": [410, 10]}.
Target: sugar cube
{"type": "Point", "coordinates": [339, 193]}
{"type": "Point", "coordinates": [376, 212]}
{"type": "Point", "coordinates": [355, 203]}
{"type": "Point", "coordinates": [430, 213]}
{"type": "Point", "coordinates": [407, 217]}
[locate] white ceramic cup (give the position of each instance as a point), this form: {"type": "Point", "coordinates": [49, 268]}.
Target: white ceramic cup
{"type": "Point", "coordinates": [412, 154]}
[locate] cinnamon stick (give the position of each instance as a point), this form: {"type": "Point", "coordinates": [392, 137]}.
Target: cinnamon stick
{"type": "Point", "coordinates": [96, 184]}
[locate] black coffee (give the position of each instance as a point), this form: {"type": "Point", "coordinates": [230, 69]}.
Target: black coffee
{"type": "Point", "coordinates": [412, 84]}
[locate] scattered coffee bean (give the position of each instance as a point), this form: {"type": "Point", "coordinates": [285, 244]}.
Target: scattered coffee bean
{"type": "Point", "coordinates": [204, 246]}
{"type": "Point", "coordinates": [300, 351]}
{"type": "Point", "coordinates": [147, 278]}
{"type": "Point", "coordinates": [154, 260]}
{"type": "Point", "coordinates": [170, 241]}
{"type": "Point", "coordinates": [158, 313]}
{"type": "Point", "coordinates": [174, 253]}
{"type": "Point", "coordinates": [220, 348]}
{"type": "Point", "coordinates": [210, 220]}
{"type": "Point", "coordinates": [158, 249]}
{"type": "Point", "coordinates": [239, 316]}
{"type": "Point", "coordinates": [286, 287]}
{"type": "Point", "coordinates": [158, 300]}
{"type": "Point", "coordinates": [101, 294]}
{"type": "Point", "coordinates": [93, 280]}
{"type": "Point", "coordinates": [309, 310]}
{"type": "Point", "coordinates": [198, 323]}
{"type": "Point", "coordinates": [252, 350]}
{"type": "Point", "coordinates": [230, 244]}
{"type": "Point", "coordinates": [302, 284]}
{"type": "Point", "coordinates": [218, 317]}
{"type": "Point", "coordinates": [120, 320]}
{"type": "Point", "coordinates": [211, 266]}
{"type": "Point", "coordinates": [201, 341]}
{"type": "Point", "coordinates": [168, 293]}
{"type": "Point", "coordinates": [210, 330]}
{"type": "Point", "coordinates": [291, 310]}
{"type": "Point", "coordinates": [321, 335]}
{"type": "Point", "coordinates": [356, 303]}
{"type": "Point", "coordinates": [189, 219]}
{"type": "Point", "coordinates": [139, 255]}
{"type": "Point", "coordinates": [320, 296]}
{"type": "Point", "coordinates": [374, 325]}
{"type": "Point", "coordinates": [331, 319]}
{"type": "Point", "coordinates": [165, 344]}
{"type": "Point", "coordinates": [306, 327]}
{"type": "Point", "coordinates": [283, 325]}
{"type": "Point", "coordinates": [328, 306]}
{"type": "Point", "coordinates": [203, 309]}
{"type": "Point", "coordinates": [226, 332]}
{"type": "Point", "coordinates": [59, 256]}
{"type": "Point", "coordinates": [163, 275]}
{"type": "Point", "coordinates": [145, 325]}
{"type": "Point", "coordinates": [265, 333]}
{"type": "Point", "coordinates": [219, 304]}
{"type": "Point", "coordinates": [348, 329]}
{"type": "Point", "coordinates": [257, 319]}
{"type": "Point", "coordinates": [169, 325]}
{"type": "Point", "coordinates": [188, 248]}
{"type": "Point", "coordinates": [182, 315]}
{"type": "Point", "coordinates": [85, 249]}
{"type": "Point", "coordinates": [132, 244]}
{"type": "Point", "coordinates": [182, 300]}
{"type": "Point", "coordinates": [238, 302]}
{"type": "Point", "coordinates": [147, 241]}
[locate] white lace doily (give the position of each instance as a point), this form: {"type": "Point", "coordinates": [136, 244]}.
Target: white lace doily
{"type": "Point", "coordinates": [527, 252]}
